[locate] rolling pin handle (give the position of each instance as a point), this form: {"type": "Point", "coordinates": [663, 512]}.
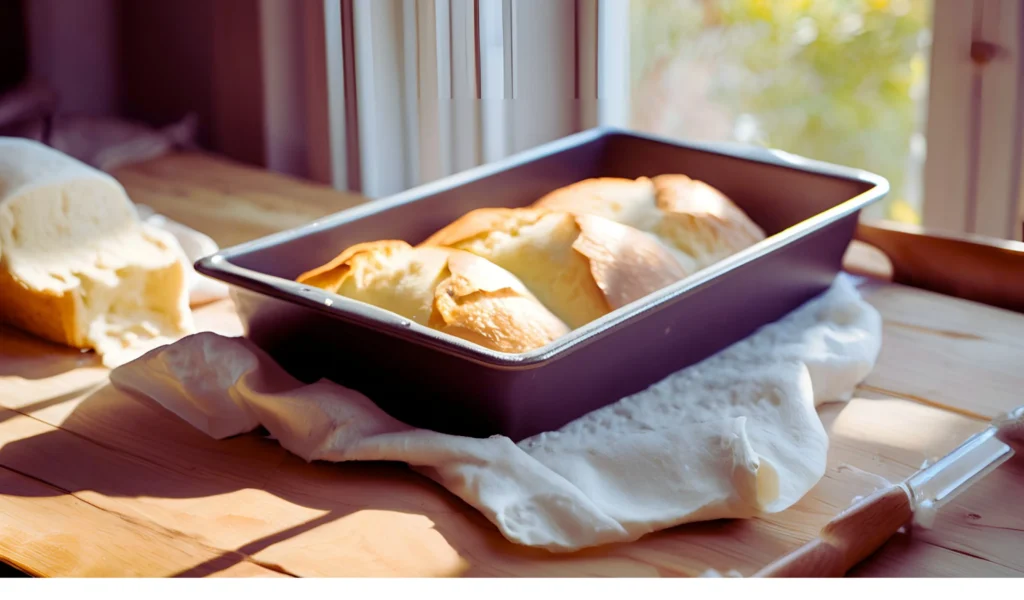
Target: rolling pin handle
{"type": "Point", "coordinates": [849, 538]}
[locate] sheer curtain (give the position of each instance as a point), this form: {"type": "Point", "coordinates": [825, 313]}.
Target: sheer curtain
{"type": "Point", "coordinates": [434, 87]}
{"type": "Point", "coordinates": [415, 90]}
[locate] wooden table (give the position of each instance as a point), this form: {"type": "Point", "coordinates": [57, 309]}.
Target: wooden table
{"type": "Point", "coordinates": [96, 483]}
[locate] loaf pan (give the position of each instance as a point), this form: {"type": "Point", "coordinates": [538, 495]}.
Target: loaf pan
{"type": "Point", "coordinates": [808, 209]}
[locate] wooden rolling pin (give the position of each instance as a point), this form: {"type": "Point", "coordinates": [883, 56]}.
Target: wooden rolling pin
{"type": "Point", "coordinates": [860, 530]}
{"type": "Point", "coordinates": [849, 538]}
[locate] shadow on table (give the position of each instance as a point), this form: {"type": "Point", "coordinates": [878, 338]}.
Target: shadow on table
{"type": "Point", "coordinates": [28, 357]}
{"type": "Point", "coordinates": [121, 446]}
{"type": "Point", "coordinates": [7, 571]}
{"type": "Point", "coordinates": [228, 494]}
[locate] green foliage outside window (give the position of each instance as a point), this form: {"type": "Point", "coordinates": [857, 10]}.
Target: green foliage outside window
{"type": "Point", "coordinates": [836, 80]}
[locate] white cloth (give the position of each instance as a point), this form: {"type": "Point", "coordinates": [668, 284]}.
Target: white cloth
{"type": "Point", "coordinates": [201, 289]}
{"type": "Point", "coordinates": [734, 436]}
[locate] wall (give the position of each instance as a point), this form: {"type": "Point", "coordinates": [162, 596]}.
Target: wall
{"type": "Point", "coordinates": [73, 47]}
{"type": "Point", "coordinates": [167, 61]}
{"type": "Point", "coordinates": [13, 45]}
{"type": "Point", "coordinates": [200, 56]}
{"type": "Point", "coordinates": [156, 61]}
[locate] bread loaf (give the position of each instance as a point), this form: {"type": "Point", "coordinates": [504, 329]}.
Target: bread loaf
{"type": "Point", "coordinates": [448, 290]}
{"type": "Point", "coordinates": [77, 266]}
{"type": "Point", "coordinates": [516, 279]}
{"type": "Point", "coordinates": [581, 267]}
{"type": "Point", "coordinates": [696, 221]}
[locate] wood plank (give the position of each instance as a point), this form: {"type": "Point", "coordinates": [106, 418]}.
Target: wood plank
{"type": "Point", "coordinates": [984, 522]}
{"type": "Point", "coordinates": [119, 470]}
{"type": "Point", "coordinates": [979, 534]}
{"type": "Point", "coordinates": [905, 556]}
{"type": "Point", "coordinates": [247, 493]}
{"type": "Point", "coordinates": [966, 266]}
{"type": "Point", "coordinates": [949, 352]}
{"type": "Point", "coordinates": [226, 200]}
{"type": "Point", "coordinates": [36, 373]}
{"type": "Point", "coordinates": [867, 261]}
{"type": "Point", "coordinates": [248, 496]}
{"type": "Point", "coordinates": [46, 532]}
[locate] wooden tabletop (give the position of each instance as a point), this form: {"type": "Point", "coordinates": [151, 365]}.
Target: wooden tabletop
{"type": "Point", "coordinates": [94, 482]}
{"type": "Point", "coordinates": [228, 201]}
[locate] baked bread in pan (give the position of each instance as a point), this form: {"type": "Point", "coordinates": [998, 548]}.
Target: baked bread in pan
{"type": "Point", "coordinates": [516, 279]}
{"type": "Point", "coordinates": [448, 290]}
{"type": "Point", "coordinates": [696, 221]}
{"type": "Point", "coordinates": [580, 266]}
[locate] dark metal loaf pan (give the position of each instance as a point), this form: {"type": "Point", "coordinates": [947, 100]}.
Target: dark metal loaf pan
{"type": "Point", "coordinates": [808, 209]}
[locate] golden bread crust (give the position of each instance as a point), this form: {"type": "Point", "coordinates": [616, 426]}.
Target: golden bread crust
{"type": "Point", "coordinates": [481, 222]}
{"type": "Point", "coordinates": [330, 275]}
{"type": "Point", "coordinates": [627, 201]}
{"type": "Point", "coordinates": [485, 304]}
{"type": "Point", "coordinates": [702, 220]}
{"type": "Point", "coordinates": [580, 266]}
{"type": "Point", "coordinates": [514, 279]}
{"type": "Point", "coordinates": [43, 313]}
{"type": "Point", "coordinates": [698, 223]}
{"type": "Point", "coordinates": [626, 264]}
{"type": "Point", "coordinates": [445, 289]}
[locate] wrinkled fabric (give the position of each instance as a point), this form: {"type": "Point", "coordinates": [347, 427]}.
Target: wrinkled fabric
{"type": "Point", "coordinates": [734, 436]}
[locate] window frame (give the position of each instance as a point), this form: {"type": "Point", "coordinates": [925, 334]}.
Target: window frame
{"type": "Point", "coordinates": [513, 87]}
{"type": "Point", "coordinates": [975, 127]}
{"type": "Point", "coordinates": [972, 172]}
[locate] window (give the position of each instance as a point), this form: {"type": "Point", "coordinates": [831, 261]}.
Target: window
{"type": "Point", "coordinates": [909, 89]}
{"type": "Point", "coordinates": [839, 81]}
{"type": "Point", "coordinates": [924, 92]}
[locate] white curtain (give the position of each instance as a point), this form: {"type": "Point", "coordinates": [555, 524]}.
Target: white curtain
{"type": "Point", "coordinates": [440, 86]}
{"type": "Point", "coordinates": [401, 92]}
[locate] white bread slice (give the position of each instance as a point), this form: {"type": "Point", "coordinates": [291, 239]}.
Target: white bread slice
{"type": "Point", "coordinates": [77, 265]}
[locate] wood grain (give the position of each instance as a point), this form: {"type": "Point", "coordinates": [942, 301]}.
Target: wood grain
{"type": "Point", "coordinates": [230, 202]}
{"type": "Point", "coordinates": [248, 498]}
{"type": "Point", "coordinates": [967, 266]}
{"type": "Point", "coordinates": [867, 261]}
{"type": "Point", "coordinates": [94, 481]}
{"type": "Point", "coordinates": [957, 354]}
{"type": "Point", "coordinates": [847, 539]}
{"type": "Point", "coordinates": [44, 530]}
